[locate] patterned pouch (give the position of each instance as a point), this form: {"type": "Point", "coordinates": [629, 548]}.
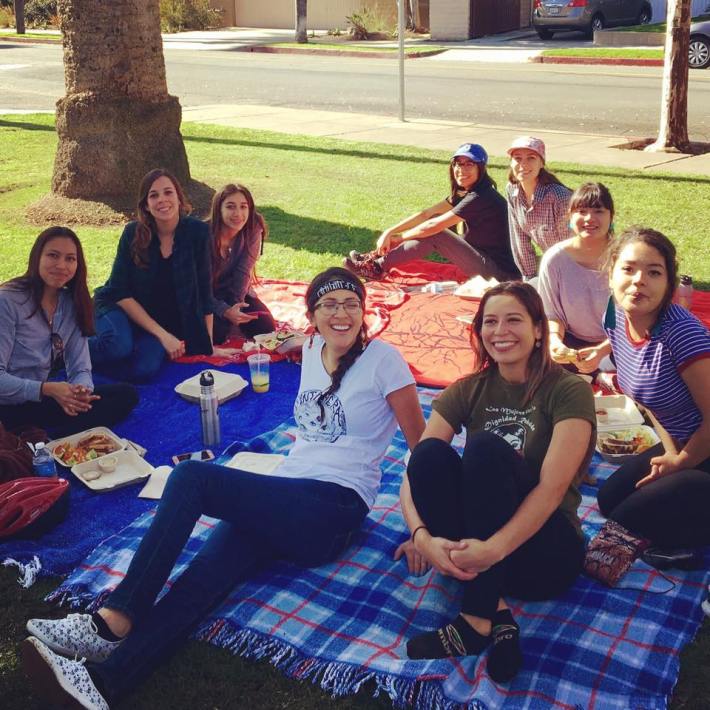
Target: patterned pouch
{"type": "Point", "coordinates": [611, 553]}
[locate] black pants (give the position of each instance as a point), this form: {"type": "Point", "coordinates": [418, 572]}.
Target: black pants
{"type": "Point", "coordinates": [263, 324]}
{"type": "Point", "coordinates": [673, 511]}
{"type": "Point", "coordinates": [115, 404]}
{"type": "Point", "coordinates": [474, 497]}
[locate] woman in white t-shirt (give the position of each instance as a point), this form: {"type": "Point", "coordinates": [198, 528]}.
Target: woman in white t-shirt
{"type": "Point", "coordinates": [352, 395]}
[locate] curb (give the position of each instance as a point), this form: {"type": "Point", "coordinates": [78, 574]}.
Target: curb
{"type": "Point", "coordinates": [30, 40]}
{"type": "Point", "coordinates": [374, 54]}
{"type": "Point", "coordinates": [612, 61]}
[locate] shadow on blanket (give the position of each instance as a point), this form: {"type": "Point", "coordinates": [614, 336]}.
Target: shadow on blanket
{"type": "Point", "coordinates": [164, 424]}
{"type": "Point", "coordinates": [346, 623]}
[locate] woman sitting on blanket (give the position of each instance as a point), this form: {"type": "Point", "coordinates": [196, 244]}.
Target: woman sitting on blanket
{"type": "Point", "coordinates": [473, 202]}
{"type": "Point", "coordinates": [352, 395]}
{"type": "Point", "coordinates": [537, 204]}
{"type": "Point", "coordinates": [45, 319]}
{"type": "Point", "coordinates": [502, 518]}
{"type": "Point", "coordinates": [238, 232]}
{"type": "Point", "coordinates": [573, 284]}
{"type": "Point", "coordinates": [157, 302]}
{"type": "Point", "coordinates": [662, 355]}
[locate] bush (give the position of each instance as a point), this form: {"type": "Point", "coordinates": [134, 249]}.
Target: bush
{"type": "Point", "coordinates": [41, 13]}
{"type": "Point", "coordinates": [180, 15]}
{"type": "Point", "coordinates": [366, 23]}
{"type": "Point", "coordinates": [7, 16]}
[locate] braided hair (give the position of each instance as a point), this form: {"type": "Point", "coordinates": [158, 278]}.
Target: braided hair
{"type": "Point", "coordinates": [330, 280]}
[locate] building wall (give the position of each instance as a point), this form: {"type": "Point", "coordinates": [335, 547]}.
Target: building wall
{"type": "Point", "coordinates": [449, 19]}
{"type": "Point", "coordinates": [525, 13]}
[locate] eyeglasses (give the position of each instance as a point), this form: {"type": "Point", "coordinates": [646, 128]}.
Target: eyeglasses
{"type": "Point", "coordinates": [57, 348]}
{"type": "Point", "coordinates": [330, 308]}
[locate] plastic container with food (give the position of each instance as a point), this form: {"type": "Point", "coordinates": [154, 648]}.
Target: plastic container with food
{"type": "Point", "coordinates": [616, 411]}
{"type": "Point", "coordinates": [617, 445]}
{"type": "Point", "coordinates": [87, 445]}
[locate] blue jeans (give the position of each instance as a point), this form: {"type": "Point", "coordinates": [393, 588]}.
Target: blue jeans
{"type": "Point", "coordinates": [123, 350]}
{"type": "Point", "coordinates": [264, 518]}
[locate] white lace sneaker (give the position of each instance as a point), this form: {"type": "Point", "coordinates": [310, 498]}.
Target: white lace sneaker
{"type": "Point", "coordinates": [706, 603]}
{"type": "Point", "coordinates": [76, 635]}
{"type": "Point", "coordinates": [63, 682]}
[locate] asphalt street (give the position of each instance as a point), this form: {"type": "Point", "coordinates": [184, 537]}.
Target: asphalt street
{"type": "Point", "coordinates": [590, 99]}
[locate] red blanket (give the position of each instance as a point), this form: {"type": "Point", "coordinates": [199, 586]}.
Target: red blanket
{"type": "Point", "coordinates": [423, 326]}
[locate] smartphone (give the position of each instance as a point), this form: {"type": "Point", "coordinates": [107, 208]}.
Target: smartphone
{"type": "Point", "coordinates": [204, 455]}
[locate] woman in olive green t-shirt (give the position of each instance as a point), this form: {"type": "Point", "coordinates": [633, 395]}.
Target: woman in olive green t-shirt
{"type": "Point", "coordinates": [502, 518]}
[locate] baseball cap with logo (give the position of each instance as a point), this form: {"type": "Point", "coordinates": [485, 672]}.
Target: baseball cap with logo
{"type": "Point", "coordinates": [529, 142]}
{"type": "Point", "coordinates": [473, 151]}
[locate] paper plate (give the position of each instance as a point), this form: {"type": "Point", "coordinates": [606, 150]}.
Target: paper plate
{"type": "Point", "coordinates": [627, 434]}
{"type": "Point", "coordinates": [226, 384]}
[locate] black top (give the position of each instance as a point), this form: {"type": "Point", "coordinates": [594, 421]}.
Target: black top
{"type": "Point", "coordinates": [163, 309]}
{"type": "Point", "coordinates": [485, 212]}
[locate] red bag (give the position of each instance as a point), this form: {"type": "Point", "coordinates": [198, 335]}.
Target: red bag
{"type": "Point", "coordinates": [15, 455]}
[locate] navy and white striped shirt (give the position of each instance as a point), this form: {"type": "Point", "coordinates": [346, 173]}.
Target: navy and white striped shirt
{"type": "Point", "coordinates": [649, 371]}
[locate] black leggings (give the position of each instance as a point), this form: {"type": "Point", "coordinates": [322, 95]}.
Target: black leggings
{"type": "Point", "coordinates": [115, 404]}
{"type": "Point", "coordinates": [673, 511]}
{"type": "Point", "coordinates": [475, 496]}
{"type": "Point", "coordinates": [263, 324]}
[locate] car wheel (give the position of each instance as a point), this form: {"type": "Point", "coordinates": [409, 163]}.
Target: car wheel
{"type": "Point", "coordinates": [596, 24]}
{"type": "Point", "coordinates": [544, 34]}
{"type": "Point", "coordinates": [699, 52]}
{"type": "Point", "coordinates": [644, 16]}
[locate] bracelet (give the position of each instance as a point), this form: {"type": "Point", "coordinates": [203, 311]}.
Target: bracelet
{"type": "Point", "coordinates": [416, 530]}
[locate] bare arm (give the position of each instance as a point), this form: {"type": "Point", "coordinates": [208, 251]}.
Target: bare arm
{"type": "Point", "coordinates": [405, 405]}
{"type": "Point", "coordinates": [432, 226]}
{"type": "Point", "coordinates": [697, 448]}
{"type": "Point", "coordinates": [568, 446]}
{"type": "Point", "coordinates": [385, 239]}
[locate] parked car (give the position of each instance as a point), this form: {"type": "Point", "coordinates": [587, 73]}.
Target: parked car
{"type": "Point", "coordinates": [699, 49]}
{"type": "Point", "coordinates": [550, 16]}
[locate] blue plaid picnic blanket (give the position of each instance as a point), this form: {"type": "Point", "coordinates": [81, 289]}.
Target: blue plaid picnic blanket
{"type": "Point", "coordinates": [346, 623]}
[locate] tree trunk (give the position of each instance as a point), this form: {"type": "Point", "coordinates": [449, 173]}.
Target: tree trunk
{"type": "Point", "coordinates": [117, 120]}
{"type": "Point", "coordinates": [301, 19]}
{"type": "Point", "coordinates": [673, 131]}
{"type": "Point", "coordinates": [20, 16]}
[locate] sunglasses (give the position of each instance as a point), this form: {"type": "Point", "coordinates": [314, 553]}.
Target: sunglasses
{"type": "Point", "coordinates": [57, 349]}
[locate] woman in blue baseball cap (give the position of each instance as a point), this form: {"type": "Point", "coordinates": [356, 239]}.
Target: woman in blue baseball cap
{"type": "Point", "coordinates": [484, 247]}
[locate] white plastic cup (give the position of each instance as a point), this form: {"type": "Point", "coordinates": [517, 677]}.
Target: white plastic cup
{"type": "Point", "coordinates": [259, 372]}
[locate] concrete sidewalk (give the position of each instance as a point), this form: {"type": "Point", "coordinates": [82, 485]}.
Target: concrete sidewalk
{"type": "Point", "coordinates": [446, 135]}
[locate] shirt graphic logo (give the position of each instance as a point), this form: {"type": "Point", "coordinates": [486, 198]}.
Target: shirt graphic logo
{"type": "Point", "coordinates": [327, 425]}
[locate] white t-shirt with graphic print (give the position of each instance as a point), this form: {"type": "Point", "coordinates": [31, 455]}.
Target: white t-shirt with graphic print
{"type": "Point", "coordinates": [346, 443]}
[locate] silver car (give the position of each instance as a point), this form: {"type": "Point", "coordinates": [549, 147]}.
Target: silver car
{"type": "Point", "coordinates": [699, 49]}
{"type": "Point", "coordinates": [550, 16]}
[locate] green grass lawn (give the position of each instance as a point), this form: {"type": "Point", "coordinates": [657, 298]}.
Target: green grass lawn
{"type": "Point", "coordinates": [611, 52]}
{"type": "Point", "coordinates": [321, 197]}
{"type": "Point", "coordinates": [11, 34]}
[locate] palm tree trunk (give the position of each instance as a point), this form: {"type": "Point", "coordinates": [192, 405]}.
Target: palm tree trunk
{"type": "Point", "coordinates": [301, 17]}
{"type": "Point", "coordinates": [20, 16]}
{"type": "Point", "coordinates": [673, 131]}
{"type": "Point", "coordinates": [117, 120]}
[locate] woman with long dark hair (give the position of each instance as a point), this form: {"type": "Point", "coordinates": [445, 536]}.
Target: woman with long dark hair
{"type": "Point", "coordinates": [352, 395]}
{"type": "Point", "coordinates": [537, 204]}
{"type": "Point", "coordinates": [157, 302]}
{"type": "Point", "coordinates": [238, 233]}
{"type": "Point", "coordinates": [46, 317]}
{"type": "Point", "coordinates": [662, 355]}
{"type": "Point", "coordinates": [502, 518]}
{"type": "Point", "coordinates": [474, 204]}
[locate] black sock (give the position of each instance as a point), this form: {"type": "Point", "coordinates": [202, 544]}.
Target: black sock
{"type": "Point", "coordinates": [505, 657]}
{"type": "Point", "coordinates": [102, 628]}
{"type": "Point", "coordinates": [457, 638]}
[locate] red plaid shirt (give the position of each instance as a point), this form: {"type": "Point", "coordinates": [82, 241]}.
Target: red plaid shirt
{"type": "Point", "coordinates": [544, 222]}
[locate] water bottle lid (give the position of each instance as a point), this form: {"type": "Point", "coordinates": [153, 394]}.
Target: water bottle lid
{"type": "Point", "coordinates": [206, 379]}
{"type": "Point", "coordinates": [686, 280]}
{"type": "Point", "coordinates": [39, 446]}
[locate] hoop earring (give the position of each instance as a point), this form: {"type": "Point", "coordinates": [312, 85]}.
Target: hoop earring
{"type": "Point", "coordinates": [538, 343]}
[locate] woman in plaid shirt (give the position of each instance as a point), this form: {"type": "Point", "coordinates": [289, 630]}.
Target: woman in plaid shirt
{"type": "Point", "coordinates": [537, 204]}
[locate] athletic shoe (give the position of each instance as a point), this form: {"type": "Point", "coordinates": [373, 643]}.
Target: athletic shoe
{"type": "Point", "coordinates": [62, 682]}
{"type": "Point", "coordinates": [706, 604]}
{"type": "Point", "coordinates": [76, 635]}
{"type": "Point", "coordinates": [368, 267]}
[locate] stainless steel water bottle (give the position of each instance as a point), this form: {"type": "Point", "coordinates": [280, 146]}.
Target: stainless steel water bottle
{"type": "Point", "coordinates": [208, 410]}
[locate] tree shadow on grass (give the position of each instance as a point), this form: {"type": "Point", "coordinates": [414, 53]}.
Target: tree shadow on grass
{"type": "Point", "coordinates": [315, 235]}
{"type": "Point", "coordinates": [25, 125]}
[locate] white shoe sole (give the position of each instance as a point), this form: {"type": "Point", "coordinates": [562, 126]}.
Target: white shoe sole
{"type": "Point", "coordinates": [706, 607]}
{"type": "Point", "coordinates": [49, 686]}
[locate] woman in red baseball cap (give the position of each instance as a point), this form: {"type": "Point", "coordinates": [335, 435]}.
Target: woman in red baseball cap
{"type": "Point", "coordinates": [474, 203]}
{"type": "Point", "coordinates": [537, 204]}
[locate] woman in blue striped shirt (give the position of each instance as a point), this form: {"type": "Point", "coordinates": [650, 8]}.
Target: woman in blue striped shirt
{"type": "Point", "coordinates": [662, 355]}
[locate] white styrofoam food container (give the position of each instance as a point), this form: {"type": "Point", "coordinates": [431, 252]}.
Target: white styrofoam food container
{"type": "Point", "coordinates": [226, 384]}
{"type": "Point", "coordinates": [626, 433]}
{"type": "Point", "coordinates": [130, 467]}
{"type": "Point", "coordinates": [74, 439]}
{"type": "Point", "coordinates": [621, 412]}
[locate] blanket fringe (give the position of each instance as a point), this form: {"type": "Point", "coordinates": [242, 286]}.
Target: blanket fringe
{"type": "Point", "coordinates": [77, 596]}
{"type": "Point", "coordinates": [335, 677]}
{"type": "Point", "coordinates": [28, 571]}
